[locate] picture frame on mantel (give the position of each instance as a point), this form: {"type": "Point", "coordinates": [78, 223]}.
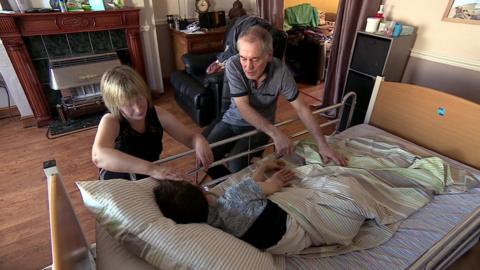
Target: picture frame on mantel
{"type": "Point", "coordinates": [463, 11]}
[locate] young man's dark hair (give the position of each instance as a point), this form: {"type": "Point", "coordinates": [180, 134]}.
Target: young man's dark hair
{"type": "Point", "coordinates": [181, 201]}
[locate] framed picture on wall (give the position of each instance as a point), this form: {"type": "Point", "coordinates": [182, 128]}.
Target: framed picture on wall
{"type": "Point", "coordinates": [463, 11]}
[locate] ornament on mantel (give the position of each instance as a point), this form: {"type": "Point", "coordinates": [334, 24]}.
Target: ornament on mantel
{"type": "Point", "coordinates": [115, 3]}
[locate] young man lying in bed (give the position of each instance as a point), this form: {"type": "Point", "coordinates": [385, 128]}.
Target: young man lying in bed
{"type": "Point", "coordinates": [326, 215]}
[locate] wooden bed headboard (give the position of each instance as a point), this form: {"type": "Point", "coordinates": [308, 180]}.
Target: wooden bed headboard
{"type": "Point", "coordinates": [441, 122]}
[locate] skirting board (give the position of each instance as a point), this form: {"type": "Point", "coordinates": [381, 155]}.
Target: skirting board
{"type": "Point", "coordinates": [28, 121]}
{"type": "Point", "coordinates": [9, 112]}
{"type": "Point", "coordinates": [447, 60]}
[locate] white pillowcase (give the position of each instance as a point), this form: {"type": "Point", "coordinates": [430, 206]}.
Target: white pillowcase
{"type": "Point", "coordinates": [128, 211]}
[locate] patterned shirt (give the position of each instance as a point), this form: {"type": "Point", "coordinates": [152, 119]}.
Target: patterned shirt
{"type": "Point", "coordinates": [237, 209]}
{"type": "Point", "coordinates": [245, 212]}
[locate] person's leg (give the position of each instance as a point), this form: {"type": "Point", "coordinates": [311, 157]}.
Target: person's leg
{"type": "Point", "coordinates": [219, 132]}
{"type": "Point", "coordinates": [242, 146]}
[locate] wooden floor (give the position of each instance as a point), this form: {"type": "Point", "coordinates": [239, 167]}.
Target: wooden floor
{"type": "Point", "coordinates": [24, 226]}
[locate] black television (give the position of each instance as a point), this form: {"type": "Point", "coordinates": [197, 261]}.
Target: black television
{"type": "Point", "coordinates": [212, 19]}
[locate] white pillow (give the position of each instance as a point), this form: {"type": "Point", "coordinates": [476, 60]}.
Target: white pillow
{"type": "Point", "coordinates": [128, 211]}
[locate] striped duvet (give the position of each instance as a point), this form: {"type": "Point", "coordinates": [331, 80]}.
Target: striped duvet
{"type": "Point", "coordinates": [343, 209]}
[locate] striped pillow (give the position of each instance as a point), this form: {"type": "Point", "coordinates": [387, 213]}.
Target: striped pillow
{"type": "Point", "coordinates": [128, 212]}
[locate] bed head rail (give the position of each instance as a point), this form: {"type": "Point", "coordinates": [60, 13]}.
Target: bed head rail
{"type": "Point", "coordinates": [441, 122]}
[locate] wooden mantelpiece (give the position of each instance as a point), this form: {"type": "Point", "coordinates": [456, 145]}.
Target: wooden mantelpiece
{"type": "Point", "coordinates": [15, 26]}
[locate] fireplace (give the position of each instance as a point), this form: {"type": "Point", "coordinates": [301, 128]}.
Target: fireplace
{"type": "Point", "coordinates": [78, 81]}
{"type": "Point", "coordinates": [19, 31]}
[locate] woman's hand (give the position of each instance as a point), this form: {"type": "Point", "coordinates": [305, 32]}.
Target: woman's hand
{"type": "Point", "coordinates": [186, 136]}
{"type": "Point", "coordinates": [202, 150]}
{"type": "Point", "coordinates": [162, 173]}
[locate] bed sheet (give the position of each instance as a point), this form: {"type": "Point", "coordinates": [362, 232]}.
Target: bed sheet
{"type": "Point", "coordinates": [416, 235]}
{"type": "Point", "coordinates": [367, 130]}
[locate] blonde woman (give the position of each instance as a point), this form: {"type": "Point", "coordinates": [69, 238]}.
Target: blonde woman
{"type": "Point", "coordinates": [129, 137]}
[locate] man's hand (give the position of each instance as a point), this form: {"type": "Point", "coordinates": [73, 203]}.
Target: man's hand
{"type": "Point", "coordinates": [202, 150]}
{"type": "Point", "coordinates": [214, 67]}
{"type": "Point", "coordinates": [283, 144]}
{"type": "Point", "coordinates": [328, 154]}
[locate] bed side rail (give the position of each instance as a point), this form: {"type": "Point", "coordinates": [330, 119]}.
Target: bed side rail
{"type": "Point", "coordinates": [339, 107]}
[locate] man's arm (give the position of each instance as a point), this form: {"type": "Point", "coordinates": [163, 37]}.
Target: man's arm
{"type": "Point", "coordinates": [313, 127]}
{"type": "Point", "coordinates": [283, 145]}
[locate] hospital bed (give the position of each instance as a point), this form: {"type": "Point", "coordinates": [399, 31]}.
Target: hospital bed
{"type": "Point", "coordinates": [421, 119]}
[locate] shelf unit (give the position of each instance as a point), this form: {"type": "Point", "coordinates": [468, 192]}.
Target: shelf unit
{"type": "Point", "coordinates": [374, 55]}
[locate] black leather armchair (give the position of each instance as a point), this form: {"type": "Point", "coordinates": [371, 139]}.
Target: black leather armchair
{"type": "Point", "coordinates": [196, 92]}
{"type": "Point", "coordinates": [200, 94]}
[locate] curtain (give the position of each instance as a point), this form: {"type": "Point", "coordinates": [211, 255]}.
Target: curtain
{"type": "Point", "coordinates": [351, 17]}
{"type": "Point", "coordinates": [271, 11]}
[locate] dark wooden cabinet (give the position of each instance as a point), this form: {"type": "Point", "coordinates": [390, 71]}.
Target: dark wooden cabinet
{"type": "Point", "coordinates": [211, 41]}
{"type": "Point", "coordinates": [374, 55]}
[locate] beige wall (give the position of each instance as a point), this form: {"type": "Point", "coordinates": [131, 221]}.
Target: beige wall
{"type": "Point", "coordinates": [164, 7]}
{"type": "Point", "coordinates": [445, 55]}
{"type": "Point", "coordinates": [15, 89]}
{"type": "Point", "coordinates": [452, 42]}
{"type": "Point", "coordinates": [447, 78]}
{"type": "Point", "coordinates": [321, 5]}
{"type": "Point", "coordinates": [165, 49]}
{"type": "Point", "coordinates": [187, 7]}
{"type": "Point", "coordinates": [249, 5]}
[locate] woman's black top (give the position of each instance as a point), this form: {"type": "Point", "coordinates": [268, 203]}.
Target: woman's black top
{"type": "Point", "coordinates": [147, 145]}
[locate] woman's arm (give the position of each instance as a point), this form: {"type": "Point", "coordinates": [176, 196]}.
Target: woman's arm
{"type": "Point", "coordinates": [104, 154]}
{"type": "Point", "coordinates": [186, 136]}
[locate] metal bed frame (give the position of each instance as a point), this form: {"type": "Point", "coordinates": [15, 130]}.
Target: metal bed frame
{"type": "Point", "coordinates": [337, 121]}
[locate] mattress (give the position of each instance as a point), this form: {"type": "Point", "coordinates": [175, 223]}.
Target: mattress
{"type": "Point", "coordinates": [415, 237]}
{"type": "Point", "coordinates": [452, 217]}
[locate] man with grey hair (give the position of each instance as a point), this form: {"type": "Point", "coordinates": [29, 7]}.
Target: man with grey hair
{"type": "Point", "coordinates": [256, 79]}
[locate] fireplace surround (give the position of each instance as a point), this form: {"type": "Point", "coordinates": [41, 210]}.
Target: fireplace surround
{"type": "Point", "coordinates": [18, 29]}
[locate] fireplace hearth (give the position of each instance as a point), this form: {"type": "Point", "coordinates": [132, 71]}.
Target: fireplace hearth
{"type": "Point", "coordinates": [21, 35]}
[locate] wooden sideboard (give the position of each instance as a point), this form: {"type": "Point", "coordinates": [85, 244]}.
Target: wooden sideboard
{"type": "Point", "coordinates": [211, 41]}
